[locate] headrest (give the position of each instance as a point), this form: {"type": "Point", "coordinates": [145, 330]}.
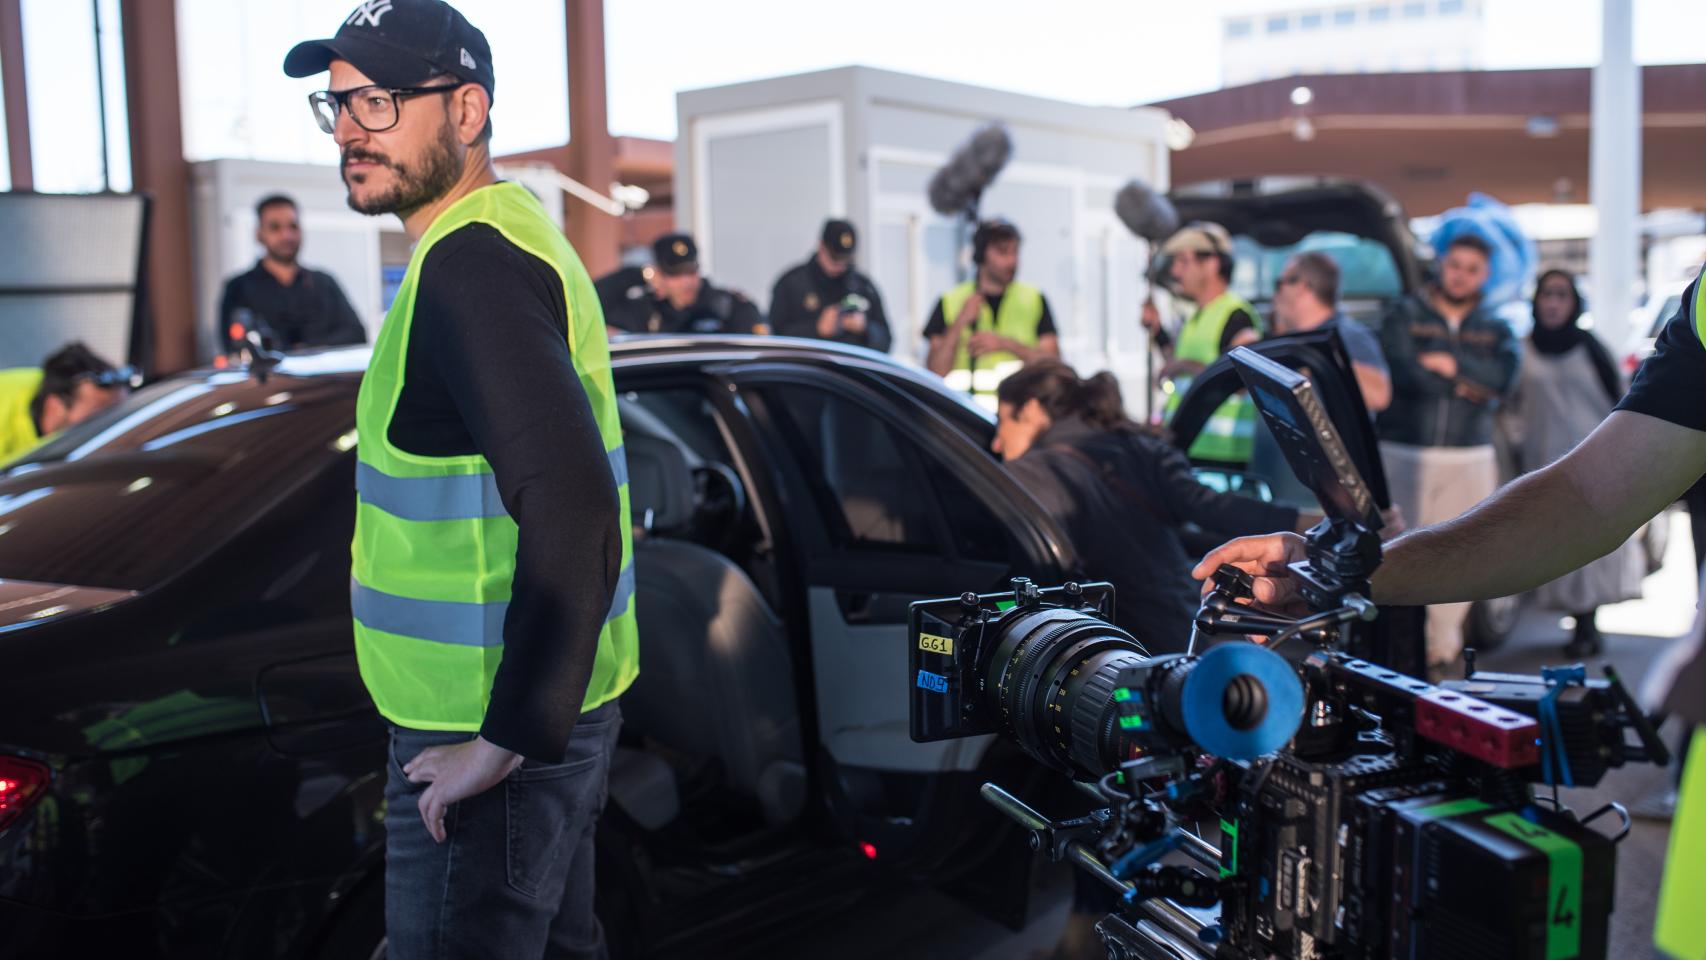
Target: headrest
{"type": "Point", "coordinates": [660, 480]}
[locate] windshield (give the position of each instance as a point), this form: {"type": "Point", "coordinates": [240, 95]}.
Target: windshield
{"type": "Point", "coordinates": [131, 497]}
{"type": "Point", "coordinates": [1366, 267]}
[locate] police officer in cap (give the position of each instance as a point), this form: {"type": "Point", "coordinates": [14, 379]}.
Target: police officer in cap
{"type": "Point", "coordinates": [671, 296]}
{"type": "Point", "coordinates": [826, 298]}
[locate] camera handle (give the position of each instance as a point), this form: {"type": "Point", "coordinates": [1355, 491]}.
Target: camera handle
{"type": "Point", "coordinates": [1156, 896]}
{"type": "Point", "coordinates": [1057, 838]}
{"type": "Point", "coordinates": [1340, 557]}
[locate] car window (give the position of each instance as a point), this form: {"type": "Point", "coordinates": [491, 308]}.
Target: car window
{"type": "Point", "coordinates": [130, 499]}
{"type": "Point", "coordinates": [1366, 267]}
{"type": "Point", "coordinates": [877, 489]}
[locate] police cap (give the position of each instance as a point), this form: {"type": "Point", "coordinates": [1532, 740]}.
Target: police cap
{"type": "Point", "coordinates": [675, 254]}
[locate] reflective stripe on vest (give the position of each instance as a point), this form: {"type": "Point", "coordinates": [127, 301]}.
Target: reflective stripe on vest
{"type": "Point", "coordinates": [1021, 312]}
{"type": "Point", "coordinates": [1229, 434]}
{"type": "Point", "coordinates": [447, 621]}
{"type": "Point", "coordinates": [449, 497]}
{"type": "Point", "coordinates": [433, 560]}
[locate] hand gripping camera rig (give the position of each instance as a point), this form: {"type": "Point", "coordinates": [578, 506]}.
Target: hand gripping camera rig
{"type": "Point", "coordinates": [1357, 812]}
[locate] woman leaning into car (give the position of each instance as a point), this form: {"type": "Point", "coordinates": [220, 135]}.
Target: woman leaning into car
{"type": "Point", "coordinates": [1122, 493]}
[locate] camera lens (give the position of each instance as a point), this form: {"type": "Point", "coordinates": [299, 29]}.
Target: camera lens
{"type": "Point", "coordinates": [1049, 676]}
{"type": "Point", "coordinates": [1051, 682]}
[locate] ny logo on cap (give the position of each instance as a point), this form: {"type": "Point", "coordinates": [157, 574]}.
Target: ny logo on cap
{"type": "Point", "coordinates": [468, 60]}
{"type": "Point", "coordinates": [369, 13]}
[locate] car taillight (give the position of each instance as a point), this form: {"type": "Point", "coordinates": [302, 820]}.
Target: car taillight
{"type": "Point", "coordinates": [1630, 363]}
{"type": "Point", "coordinates": [22, 782]}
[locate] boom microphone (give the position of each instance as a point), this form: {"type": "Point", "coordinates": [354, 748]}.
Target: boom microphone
{"type": "Point", "coordinates": [974, 166]}
{"type": "Point", "coordinates": [1147, 214]}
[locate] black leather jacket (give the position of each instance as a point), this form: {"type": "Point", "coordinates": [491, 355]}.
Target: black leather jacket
{"type": "Point", "coordinates": [1427, 409]}
{"type": "Point", "coordinates": [1122, 497]}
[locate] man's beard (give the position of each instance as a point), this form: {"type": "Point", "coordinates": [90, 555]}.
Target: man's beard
{"type": "Point", "coordinates": [415, 186]}
{"type": "Point", "coordinates": [1454, 300]}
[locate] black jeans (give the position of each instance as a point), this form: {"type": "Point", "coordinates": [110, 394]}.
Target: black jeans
{"type": "Point", "coordinates": [514, 875]}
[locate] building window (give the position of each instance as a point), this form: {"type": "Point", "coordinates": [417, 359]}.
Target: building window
{"type": "Point", "coordinates": [1379, 14]}
{"type": "Point", "coordinates": [1279, 24]}
{"type": "Point", "coordinates": [1309, 21]}
{"type": "Point", "coordinates": [1449, 8]}
{"type": "Point", "coordinates": [1345, 17]}
{"type": "Point", "coordinates": [1237, 28]}
{"type": "Point", "coordinates": [1414, 10]}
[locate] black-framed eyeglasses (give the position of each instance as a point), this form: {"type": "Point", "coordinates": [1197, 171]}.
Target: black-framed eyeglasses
{"type": "Point", "coordinates": [1287, 279]}
{"type": "Point", "coordinates": [374, 108]}
{"type": "Point", "coordinates": [128, 377]}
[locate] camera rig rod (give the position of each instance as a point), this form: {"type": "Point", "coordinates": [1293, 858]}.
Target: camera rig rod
{"type": "Point", "coordinates": [1066, 840]}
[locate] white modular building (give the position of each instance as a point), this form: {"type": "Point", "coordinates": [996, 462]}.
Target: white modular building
{"type": "Point", "coordinates": [760, 165]}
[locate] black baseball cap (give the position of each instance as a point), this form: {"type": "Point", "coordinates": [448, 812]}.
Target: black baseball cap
{"type": "Point", "coordinates": [676, 253]}
{"type": "Point", "coordinates": [399, 43]}
{"type": "Point", "coordinates": [839, 239]}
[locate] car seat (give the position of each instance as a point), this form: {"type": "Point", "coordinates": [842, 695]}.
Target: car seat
{"type": "Point", "coordinates": [716, 676]}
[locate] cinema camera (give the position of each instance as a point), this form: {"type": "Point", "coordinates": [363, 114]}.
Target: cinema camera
{"type": "Point", "coordinates": [1361, 813]}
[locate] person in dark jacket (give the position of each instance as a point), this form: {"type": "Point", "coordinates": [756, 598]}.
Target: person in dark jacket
{"type": "Point", "coordinates": [827, 298]}
{"type": "Point", "coordinates": [291, 305]}
{"type": "Point", "coordinates": [1451, 361]}
{"type": "Point", "coordinates": [1122, 493]}
{"type": "Point", "coordinates": [670, 295]}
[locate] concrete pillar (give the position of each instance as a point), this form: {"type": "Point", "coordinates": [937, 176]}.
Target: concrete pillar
{"type": "Point", "coordinates": [1614, 174]}
{"type": "Point", "coordinates": [16, 93]}
{"type": "Point", "coordinates": [596, 235]}
{"type": "Point", "coordinates": [159, 170]}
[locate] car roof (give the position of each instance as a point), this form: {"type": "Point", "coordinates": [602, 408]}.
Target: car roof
{"type": "Point", "coordinates": [631, 351]}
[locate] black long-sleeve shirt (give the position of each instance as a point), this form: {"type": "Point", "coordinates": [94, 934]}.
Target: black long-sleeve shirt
{"type": "Point", "coordinates": [310, 312]}
{"type": "Point", "coordinates": [488, 371]}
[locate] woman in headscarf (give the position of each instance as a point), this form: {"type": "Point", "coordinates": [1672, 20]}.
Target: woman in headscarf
{"type": "Point", "coordinates": [1568, 385]}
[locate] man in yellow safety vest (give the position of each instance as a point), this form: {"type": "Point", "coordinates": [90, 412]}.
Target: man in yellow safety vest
{"type": "Point", "coordinates": [492, 578]}
{"type": "Point", "coordinates": [988, 327]}
{"type": "Point", "coordinates": [1200, 264]}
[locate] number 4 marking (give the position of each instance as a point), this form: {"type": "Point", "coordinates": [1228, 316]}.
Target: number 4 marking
{"type": "Point", "coordinates": [1560, 916]}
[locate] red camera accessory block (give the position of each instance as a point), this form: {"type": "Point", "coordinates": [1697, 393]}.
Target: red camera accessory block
{"type": "Point", "coordinates": [1501, 737]}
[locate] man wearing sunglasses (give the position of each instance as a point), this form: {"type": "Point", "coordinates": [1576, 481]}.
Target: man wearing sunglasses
{"type": "Point", "coordinates": [69, 387]}
{"type": "Point", "coordinates": [492, 584]}
{"type": "Point", "coordinates": [1306, 297]}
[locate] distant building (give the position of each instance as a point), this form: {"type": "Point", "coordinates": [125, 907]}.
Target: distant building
{"type": "Point", "coordinates": [1395, 36]}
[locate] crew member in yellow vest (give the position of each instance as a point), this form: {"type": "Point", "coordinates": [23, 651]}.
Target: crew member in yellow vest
{"type": "Point", "coordinates": [998, 323]}
{"type": "Point", "coordinates": [1201, 269]}
{"type": "Point", "coordinates": [69, 387]}
{"type": "Point", "coordinates": [492, 579]}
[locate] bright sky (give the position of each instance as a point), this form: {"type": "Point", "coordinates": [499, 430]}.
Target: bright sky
{"type": "Point", "coordinates": [237, 102]}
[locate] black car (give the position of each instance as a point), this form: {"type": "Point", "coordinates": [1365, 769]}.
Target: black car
{"type": "Point", "coordinates": [191, 767]}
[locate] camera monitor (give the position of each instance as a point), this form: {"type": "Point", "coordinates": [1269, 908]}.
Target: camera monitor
{"type": "Point", "coordinates": [1306, 434]}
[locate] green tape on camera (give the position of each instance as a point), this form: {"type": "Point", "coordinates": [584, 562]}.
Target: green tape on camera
{"type": "Point", "coordinates": [1564, 881]}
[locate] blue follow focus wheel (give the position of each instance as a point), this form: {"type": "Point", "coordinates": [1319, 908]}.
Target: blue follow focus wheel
{"type": "Point", "coordinates": [1242, 701]}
